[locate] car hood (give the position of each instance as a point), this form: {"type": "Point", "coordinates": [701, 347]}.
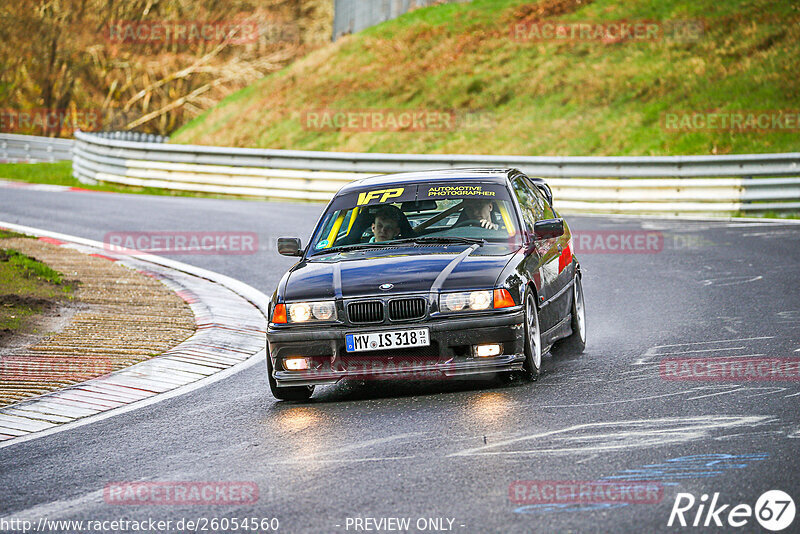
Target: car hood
{"type": "Point", "coordinates": [409, 273]}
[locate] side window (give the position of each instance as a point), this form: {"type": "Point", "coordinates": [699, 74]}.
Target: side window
{"type": "Point", "coordinates": [548, 209]}
{"type": "Point", "coordinates": [544, 210]}
{"type": "Point", "coordinates": [526, 202]}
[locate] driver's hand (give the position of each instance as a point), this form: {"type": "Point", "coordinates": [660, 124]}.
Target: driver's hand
{"type": "Point", "coordinates": [489, 225]}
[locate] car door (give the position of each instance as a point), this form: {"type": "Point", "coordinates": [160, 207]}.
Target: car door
{"type": "Point", "coordinates": [560, 261]}
{"type": "Point", "coordinates": [541, 261]}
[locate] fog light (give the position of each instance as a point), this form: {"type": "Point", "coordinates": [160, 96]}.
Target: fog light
{"type": "Point", "coordinates": [484, 351]}
{"type": "Point", "coordinates": [295, 364]}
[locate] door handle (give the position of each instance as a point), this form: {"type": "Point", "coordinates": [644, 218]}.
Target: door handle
{"type": "Point", "coordinates": [560, 249]}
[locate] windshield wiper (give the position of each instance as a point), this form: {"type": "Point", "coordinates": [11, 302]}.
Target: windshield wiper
{"type": "Point", "coordinates": [420, 240]}
{"type": "Point", "coordinates": [443, 239]}
{"type": "Point", "coordinates": [355, 246]}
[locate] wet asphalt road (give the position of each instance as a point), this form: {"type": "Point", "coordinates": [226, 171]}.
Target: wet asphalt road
{"type": "Point", "coordinates": [451, 449]}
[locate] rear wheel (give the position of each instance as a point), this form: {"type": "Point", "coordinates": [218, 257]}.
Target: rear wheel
{"type": "Point", "coordinates": [533, 341]}
{"type": "Point", "coordinates": [576, 342]}
{"type": "Point", "coordinates": [292, 393]}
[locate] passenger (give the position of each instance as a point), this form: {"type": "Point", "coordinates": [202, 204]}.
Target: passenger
{"type": "Point", "coordinates": [387, 224]}
{"type": "Point", "coordinates": [480, 210]}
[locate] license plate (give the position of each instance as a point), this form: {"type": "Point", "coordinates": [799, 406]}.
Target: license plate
{"type": "Point", "coordinates": [418, 337]}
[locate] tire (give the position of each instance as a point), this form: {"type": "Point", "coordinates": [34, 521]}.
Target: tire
{"type": "Point", "coordinates": [576, 342]}
{"type": "Point", "coordinates": [292, 393]}
{"type": "Point", "coordinates": [533, 341]}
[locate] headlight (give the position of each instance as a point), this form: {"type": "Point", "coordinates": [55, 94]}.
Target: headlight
{"type": "Point", "coordinates": [455, 301]}
{"type": "Point", "coordinates": [466, 301]}
{"type": "Point", "coordinates": [303, 312]}
{"type": "Point", "coordinates": [480, 300]}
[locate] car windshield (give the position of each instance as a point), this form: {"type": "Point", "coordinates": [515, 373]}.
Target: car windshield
{"type": "Point", "coordinates": [463, 213]}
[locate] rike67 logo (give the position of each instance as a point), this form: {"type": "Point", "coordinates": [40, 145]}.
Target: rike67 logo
{"type": "Point", "coordinates": [774, 510]}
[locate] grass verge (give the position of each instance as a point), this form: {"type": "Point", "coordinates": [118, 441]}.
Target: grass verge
{"type": "Point", "coordinates": [28, 287]}
{"type": "Point", "coordinates": [557, 97]}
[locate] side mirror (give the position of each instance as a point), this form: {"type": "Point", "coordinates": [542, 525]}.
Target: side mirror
{"type": "Point", "coordinates": [548, 229]}
{"type": "Point", "coordinates": [290, 246]}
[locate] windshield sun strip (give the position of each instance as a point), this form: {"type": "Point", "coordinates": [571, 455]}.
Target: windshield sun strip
{"type": "Point", "coordinates": [337, 224]}
{"type": "Point", "coordinates": [512, 231]}
{"type": "Point", "coordinates": [352, 219]}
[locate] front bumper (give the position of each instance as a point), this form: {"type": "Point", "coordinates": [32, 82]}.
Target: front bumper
{"type": "Point", "coordinates": [449, 354]}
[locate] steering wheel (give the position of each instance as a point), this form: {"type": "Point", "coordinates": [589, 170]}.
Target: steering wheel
{"type": "Point", "coordinates": [468, 222]}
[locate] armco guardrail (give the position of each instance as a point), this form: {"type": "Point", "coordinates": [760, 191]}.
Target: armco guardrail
{"type": "Point", "coordinates": [17, 148]}
{"type": "Point", "coordinates": [669, 184]}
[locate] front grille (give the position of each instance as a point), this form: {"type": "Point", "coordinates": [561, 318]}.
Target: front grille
{"type": "Point", "coordinates": [402, 309]}
{"type": "Point", "coordinates": [370, 311]}
{"type": "Point", "coordinates": [407, 357]}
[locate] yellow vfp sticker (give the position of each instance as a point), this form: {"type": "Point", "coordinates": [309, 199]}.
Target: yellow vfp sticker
{"type": "Point", "coordinates": [384, 195]}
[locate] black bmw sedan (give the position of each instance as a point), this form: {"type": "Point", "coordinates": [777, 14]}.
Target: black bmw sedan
{"type": "Point", "coordinates": [435, 274]}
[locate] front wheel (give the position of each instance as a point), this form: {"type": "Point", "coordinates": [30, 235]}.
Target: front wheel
{"type": "Point", "coordinates": [576, 342]}
{"type": "Point", "coordinates": [533, 341]}
{"type": "Point", "coordinates": [292, 393]}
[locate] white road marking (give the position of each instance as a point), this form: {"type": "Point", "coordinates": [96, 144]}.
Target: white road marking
{"type": "Point", "coordinates": [775, 233]}
{"type": "Point", "coordinates": [748, 434]}
{"type": "Point", "coordinates": [730, 280]}
{"type": "Point", "coordinates": [654, 364]}
{"type": "Point", "coordinates": [652, 352]}
{"type": "Point", "coordinates": [753, 355]}
{"type": "Point", "coordinates": [605, 403]}
{"type": "Point", "coordinates": [720, 393]}
{"type": "Point", "coordinates": [634, 378]}
{"type": "Point", "coordinates": [451, 439]}
{"type": "Point", "coordinates": [769, 390]}
{"type": "Point", "coordinates": [340, 460]}
{"type": "Point", "coordinates": [618, 435]}
{"type": "Point", "coordinates": [698, 350]}
{"type": "Point", "coordinates": [730, 389]}
{"type": "Point", "coordinates": [714, 341]}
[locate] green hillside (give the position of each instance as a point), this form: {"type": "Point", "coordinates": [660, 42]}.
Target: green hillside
{"type": "Point", "coordinates": [535, 97]}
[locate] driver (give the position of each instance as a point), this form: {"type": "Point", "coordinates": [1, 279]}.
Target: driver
{"type": "Point", "coordinates": [480, 210]}
{"type": "Point", "coordinates": [387, 224]}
